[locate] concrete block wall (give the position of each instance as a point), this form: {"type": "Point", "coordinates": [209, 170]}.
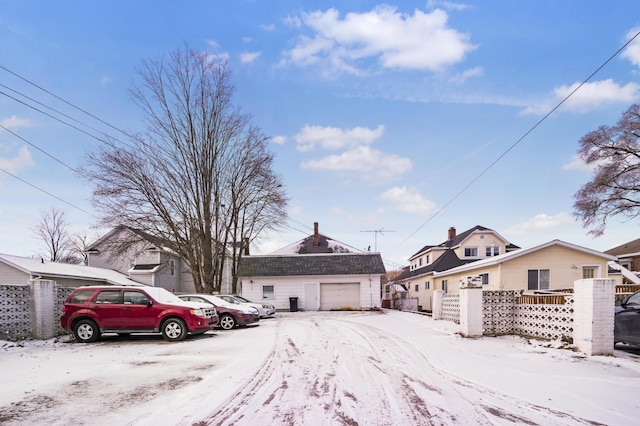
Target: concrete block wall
{"type": "Point", "coordinates": [593, 318]}
{"type": "Point", "coordinates": [43, 309]}
{"type": "Point", "coordinates": [471, 324]}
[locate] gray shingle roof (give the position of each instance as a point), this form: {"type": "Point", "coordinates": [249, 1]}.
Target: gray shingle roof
{"type": "Point", "coordinates": [336, 264]}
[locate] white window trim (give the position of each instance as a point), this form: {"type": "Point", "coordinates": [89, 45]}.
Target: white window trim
{"type": "Point", "coordinates": [597, 273]}
{"type": "Point", "coordinates": [274, 291]}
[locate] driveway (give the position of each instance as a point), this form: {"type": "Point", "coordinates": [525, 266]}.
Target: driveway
{"type": "Point", "coordinates": [364, 368]}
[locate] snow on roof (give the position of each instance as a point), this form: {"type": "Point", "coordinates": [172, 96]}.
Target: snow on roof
{"type": "Point", "coordinates": [332, 245]}
{"type": "Point", "coordinates": [54, 269]}
{"type": "Point", "coordinates": [521, 252]}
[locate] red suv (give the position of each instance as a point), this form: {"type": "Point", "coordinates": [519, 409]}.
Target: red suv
{"type": "Point", "coordinates": [90, 311]}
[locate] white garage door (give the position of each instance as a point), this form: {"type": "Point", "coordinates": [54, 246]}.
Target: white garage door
{"type": "Point", "coordinates": [339, 296]}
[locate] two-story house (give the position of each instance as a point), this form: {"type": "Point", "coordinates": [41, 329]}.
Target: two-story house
{"type": "Point", "coordinates": [144, 259]}
{"type": "Point", "coordinates": [459, 249]}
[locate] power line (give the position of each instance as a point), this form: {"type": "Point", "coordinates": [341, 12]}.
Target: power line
{"type": "Point", "coordinates": [64, 100]}
{"type": "Point", "coordinates": [46, 192]}
{"type": "Point", "coordinates": [517, 142]}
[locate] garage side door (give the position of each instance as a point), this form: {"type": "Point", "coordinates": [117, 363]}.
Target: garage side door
{"type": "Point", "coordinates": [338, 296]}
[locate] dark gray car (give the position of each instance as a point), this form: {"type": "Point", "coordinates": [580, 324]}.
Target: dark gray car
{"type": "Point", "coordinates": [627, 323]}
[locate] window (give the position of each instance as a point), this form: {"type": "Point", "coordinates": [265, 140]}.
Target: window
{"type": "Point", "coordinates": [268, 292]}
{"type": "Point", "coordinates": [136, 298]}
{"type": "Point", "coordinates": [81, 296]}
{"type": "Point", "coordinates": [538, 279]}
{"type": "Point", "coordinates": [420, 262]}
{"type": "Point", "coordinates": [492, 251]}
{"type": "Point", "coordinates": [484, 278]}
{"type": "Point", "coordinates": [108, 296]}
{"type": "Point", "coordinates": [417, 287]}
{"type": "Point", "coordinates": [471, 252]}
{"type": "Point", "coordinates": [427, 259]}
{"type": "Point", "coordinates": [427, 285]}
{"type": "Point", "coordinates": [172, 267]}
{"type": "Point", "coordinates": [444, 285]}
{"type": "Point", "coordinates": [589, 272]}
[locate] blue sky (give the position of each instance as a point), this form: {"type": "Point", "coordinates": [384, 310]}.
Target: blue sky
{"type": "Point", "coordinates": [380, 114]}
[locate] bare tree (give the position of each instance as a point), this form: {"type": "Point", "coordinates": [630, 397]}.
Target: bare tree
{"type": "Point", "coordinates": [79, 245]}
{"type": "Point", "coordinates": [183, 181]}
{"type": "Point", "coordinates": [615, 187]}
{"type": "Point", "coordinates": [53, 230]}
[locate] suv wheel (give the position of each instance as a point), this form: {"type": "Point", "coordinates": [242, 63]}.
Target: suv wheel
{"type": "Point", "coordinates": [227, 322]}
{"type": "Point", "coordinates": [86, 331]}
{"type": "Point", "coordinates": [174, 329]}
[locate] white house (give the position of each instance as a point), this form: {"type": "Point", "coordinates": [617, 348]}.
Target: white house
{"type": "Point", "coordinates": [315, 273]}
{"type": "Point", "coordinates": [17, 270]}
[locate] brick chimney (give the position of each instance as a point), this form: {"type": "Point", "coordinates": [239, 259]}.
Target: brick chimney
{"type": "Point", "coordinates": [316, 237]}
{"type": "Point", "coordinates": [452, 233]}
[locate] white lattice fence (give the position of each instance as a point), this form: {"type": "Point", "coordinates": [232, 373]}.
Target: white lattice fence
{"type": "Point", "coordinates": [451, 308]}
{"type": "Point", "coordinates": [499, 311]}
{"type": "Point", "coordinates": [551, 322]}
{"type": "Point", "coordinates": [15, 312]}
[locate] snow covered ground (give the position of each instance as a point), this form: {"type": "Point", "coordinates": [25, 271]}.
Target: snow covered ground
{"type": "Point", "coordinates": [319, 368]}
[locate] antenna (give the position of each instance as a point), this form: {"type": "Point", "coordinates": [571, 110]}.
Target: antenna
{"type": "Point", "coordinates": [380, 231]}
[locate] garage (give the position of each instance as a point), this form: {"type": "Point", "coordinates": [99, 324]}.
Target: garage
{"type": "Point", "coordinates": [339, 296]}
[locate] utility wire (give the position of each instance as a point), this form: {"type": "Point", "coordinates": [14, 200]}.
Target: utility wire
{"type": "Point", "coordinates": [56, 111]}
{"type": "Point", "coordinates": [65, 101]}
{"type": "Point", "coordinates": [62, 121]}
{"type": "Point", "coordinates": [46, 192]}
{"type": "Point", "coordinates": [516, 143]}
{"type": "Point", "coordinates": [40, 149]}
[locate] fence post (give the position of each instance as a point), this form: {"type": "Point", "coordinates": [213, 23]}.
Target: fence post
{"type": "Point", "coordinates": [593, 315]}
{"type": "Point", "coordinates": [436, 308]}
{"type": "Point", "coordinates": [43, 315]}
{"type": "Point", "coordinates": [471, 311]}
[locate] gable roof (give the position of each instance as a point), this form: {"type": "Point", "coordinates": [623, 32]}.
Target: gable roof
{"type": "Point", "coordinates": [325, 245]}
{"type": "Point", "coordinates": [35, 267]}
{"type": "Point", "coordinates": [632, 248]}
{"type": "Point", "coordinates": [448, 260]}
{"type": "Point", "coordinates": [459, 238]}
{"type": "Point", "coordinates": [156, 242]}
{"type": "Point", "coordinates": [495, 260]}
{"type": "Point", "coordinates": [311, 264]}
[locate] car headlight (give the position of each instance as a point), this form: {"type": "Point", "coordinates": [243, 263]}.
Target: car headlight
{"type": "Point", "coordinates": [198, 312]}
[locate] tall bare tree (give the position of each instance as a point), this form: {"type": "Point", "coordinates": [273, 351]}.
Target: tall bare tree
{"type": "Point", "coordinates": [614, 151]}
{"type": "Point", "coordinates": [53, 230]}
{"type": "Point", "coordinates": [183, 181]}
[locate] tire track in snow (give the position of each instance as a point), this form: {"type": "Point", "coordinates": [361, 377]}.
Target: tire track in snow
{"type": "Point", "coordinates": [329, 371]}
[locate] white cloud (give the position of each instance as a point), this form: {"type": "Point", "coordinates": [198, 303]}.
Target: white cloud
{"type": "Point", "coordinates": [420, 41]}
{"type": "Point", "coordinates": [632, 52]}
{"type": "Point", "coordinates": [333, 138]}
{"type": "Point", "coordinates": [540, 222]}
{"type": "Point", "coordinates": [408, 200]}
{"type": "Point", "coordinates": [15, 122]}
{"type": "Point", "coordinates": [372, 163]}
{"type": "Point", "coordinates": [449, 5]}
{"type": "Point", "coordinates": [249, 57]}
{"type": "Point", "coordinates": [20, 161]}
{"type": "Point", "coordinates": [589, 97]}
{"type": "Point", "coordinates": [279, 140]}
{"type": "Point", "coordinates": [267, 28]}
{"type": "Point", "coordinates": [213, 44]}
{"type": "Point", "coordinates": [465, 75]}
{"type": "Point", "coordinates": [576, 163]}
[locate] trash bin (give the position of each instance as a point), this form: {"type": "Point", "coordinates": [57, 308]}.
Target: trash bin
{"type": "Point", "coordinates": [293, 304]}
